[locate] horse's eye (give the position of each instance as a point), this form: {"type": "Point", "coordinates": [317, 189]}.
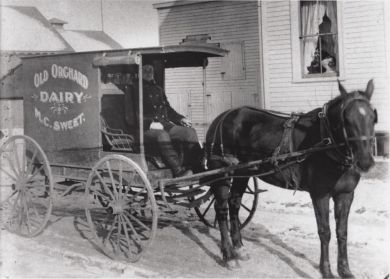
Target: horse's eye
{"type": "Point", "coordinates": [375, 116]}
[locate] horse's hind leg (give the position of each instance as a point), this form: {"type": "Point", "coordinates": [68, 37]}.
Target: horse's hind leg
{"type": "Point", "coordinates": [236, 193]}
{"type": "Point", "coordinates": [342, 204]}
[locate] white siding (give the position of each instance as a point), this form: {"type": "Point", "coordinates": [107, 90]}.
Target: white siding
{"type": "Point", "coordinates": [225, 22]}
{"type": "Point", "coordinates": [364, 58]}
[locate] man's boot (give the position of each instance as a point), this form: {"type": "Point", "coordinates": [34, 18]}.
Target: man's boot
{"type": "Point", "coordinates": [171, 158]}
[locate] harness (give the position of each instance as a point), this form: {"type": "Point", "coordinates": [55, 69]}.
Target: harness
{"type": "Point", "coordinates": [286, 145]}
{"type": "Point", "coordinates": [340, 152]}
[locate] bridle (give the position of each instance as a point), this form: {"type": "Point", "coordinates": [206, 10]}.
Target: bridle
{"type": "Point", "coordinates": [345, 156]}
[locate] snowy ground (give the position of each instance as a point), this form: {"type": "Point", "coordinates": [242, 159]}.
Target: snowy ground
{"type": "Point", "coordinates": [281, 239]}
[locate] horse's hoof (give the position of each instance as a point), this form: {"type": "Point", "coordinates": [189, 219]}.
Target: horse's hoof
{"type": "Point", "coordinates": [346, 274]}
{"type": "Point", "coordinates": [327, 274]}
{"type": "Point", "coordinates": [232, 265]}
{"type": "Point", "coordinates": [242, 254]}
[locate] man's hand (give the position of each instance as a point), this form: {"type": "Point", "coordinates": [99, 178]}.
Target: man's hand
{"type": "Point", "coordinates": [156, 126]}
{"type": "Point", "coordinates": [186, 122]}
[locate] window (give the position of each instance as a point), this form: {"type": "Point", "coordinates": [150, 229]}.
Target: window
{"type": "Point", "coordinates": [233, 64]}
{"type": "Point", "coordinates": [316, 37]}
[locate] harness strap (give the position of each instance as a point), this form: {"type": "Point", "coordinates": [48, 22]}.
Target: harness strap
{"type": "Point", "coordinates": [286, 145]}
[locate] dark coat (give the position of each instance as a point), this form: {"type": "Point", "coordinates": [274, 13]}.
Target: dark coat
{"type": "Point", "coordinates": [156, 106]}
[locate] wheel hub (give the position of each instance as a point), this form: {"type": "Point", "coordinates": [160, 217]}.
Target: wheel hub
{"type": "Point", "coordinates": [118, 206]}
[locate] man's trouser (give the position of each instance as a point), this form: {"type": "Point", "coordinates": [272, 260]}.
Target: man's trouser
{"type": "Point", "coordinates": [189, 145]}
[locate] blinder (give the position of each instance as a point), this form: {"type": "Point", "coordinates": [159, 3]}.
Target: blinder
{"type": "Point", "coordinates": [323, 115]}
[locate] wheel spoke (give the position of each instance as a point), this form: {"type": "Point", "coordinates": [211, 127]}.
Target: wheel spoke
{"type": "Point", "coordinates": [115, 190]}
{"type": "Point", "coordinates": [12, 194]}
{"type": "Point", "coordinates": [104, 185]}
{"type": "Point", "coordinates": [101, 195]}
{"type": "Point", "coordinates": [25, 206]}
{"type": "Point", "coordinates": [138, 240]}
{"type": "Point", "coordinates": [35, 173]}
{"type": "Point", "coordinates": [111, 230]}
{"type": "Point", "coordinates": [128, 188]}
{"type": "Point", "coordinates": [119, 231]}
{"type": "Point", "coordinates": [16, 155]}
{"type": "Point", "coordinates": [8, 174]}
{"type": "Point", "coordinates": [12, 166]}
{"type": "Point", "coordinates": [120, 179]}
{"type": "Point", "coordinates": [137, 221]}
{"type": "Point", "coordinates": [31, 162]}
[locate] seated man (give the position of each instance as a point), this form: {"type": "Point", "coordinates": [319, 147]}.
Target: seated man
{"type": "Point", "coordinates": [162, 124]}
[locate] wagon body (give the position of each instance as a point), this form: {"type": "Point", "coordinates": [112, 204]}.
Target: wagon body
{"type": "Point", "coordinates": [65, 95]}
{"type": "Point", "coordinates": [69, 100]}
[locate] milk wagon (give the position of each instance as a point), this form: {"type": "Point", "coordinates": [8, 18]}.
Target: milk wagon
{"type": "Point", "coordinates": [79, 131]}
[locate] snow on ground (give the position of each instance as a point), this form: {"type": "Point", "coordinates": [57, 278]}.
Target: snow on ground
{"type": "Point", "coordinates": [281, 239]}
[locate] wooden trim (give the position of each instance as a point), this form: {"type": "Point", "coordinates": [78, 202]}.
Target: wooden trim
{"type": "Point", "coordinates": [171, 4]}
{"type": "Point", "coordinates": [296, 60]}
{"type": "Point", "coordinates": [260, 75]}
{"type": "Point", "coordinates": [264, 56]}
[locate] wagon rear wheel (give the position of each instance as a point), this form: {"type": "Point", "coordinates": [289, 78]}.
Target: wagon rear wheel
{"type": "Point", "coordinates": [26, 186]}
{"type": "Point", "coordinates": [249, 202]}
{"type": "Point", "coordinates": [121, 209]}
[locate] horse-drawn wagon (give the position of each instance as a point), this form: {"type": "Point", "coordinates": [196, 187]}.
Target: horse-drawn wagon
{"type": "Point", "coordinates": [82, 131]}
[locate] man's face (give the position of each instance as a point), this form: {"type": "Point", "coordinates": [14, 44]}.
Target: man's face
{"type": "Point", "coordinates": [147, 73]}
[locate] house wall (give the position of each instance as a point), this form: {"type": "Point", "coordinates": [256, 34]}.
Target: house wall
{"type": "Point", "coordinates": [225, 22]}
{"type": "Point", "coordinates": [365, 57]}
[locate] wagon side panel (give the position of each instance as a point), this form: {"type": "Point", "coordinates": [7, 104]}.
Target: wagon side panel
{"type": "Point", "coordinates": [61, 102]}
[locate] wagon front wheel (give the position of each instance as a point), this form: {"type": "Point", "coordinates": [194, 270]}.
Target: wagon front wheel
{"type": "Point", "coordinates": [26, 186]}
{"type": "Point", "coordinates": [121, 209]}
{"type": "Point", "coordinates": [206, 212]}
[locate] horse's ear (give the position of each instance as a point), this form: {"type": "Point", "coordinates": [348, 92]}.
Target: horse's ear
{"type": "Point", "coordinates": [342, 90]}
{"type": "Point", "coordinates": [369, 89]}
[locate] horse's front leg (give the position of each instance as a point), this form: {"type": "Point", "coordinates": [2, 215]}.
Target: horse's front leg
{"type": "Point", "coordinates": [221, 193]}
{"type": "Point", "coordinates": [321, 210]}
{"type": "Point", "coordinates": [342, 205]}
{"type": "Point", "coordinates": [236, 193]}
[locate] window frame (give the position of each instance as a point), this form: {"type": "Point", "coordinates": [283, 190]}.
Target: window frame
{"type": "Point", "coordinates": [297, 67]}
{"type": "Point", "coordinates": [226, 62]}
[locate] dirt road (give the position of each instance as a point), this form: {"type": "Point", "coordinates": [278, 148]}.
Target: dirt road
{"type": "Point", "coordinates": [282, 241]}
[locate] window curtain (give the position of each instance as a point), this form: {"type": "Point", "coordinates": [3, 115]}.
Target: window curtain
{"type": "Point", "coordinates": [313, 15]}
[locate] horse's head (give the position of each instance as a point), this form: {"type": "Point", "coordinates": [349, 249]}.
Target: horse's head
{"type": "Point", "coordinates": [352, 119]}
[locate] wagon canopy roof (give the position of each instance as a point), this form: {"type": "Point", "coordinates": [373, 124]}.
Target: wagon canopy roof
{"type": "Point", "coordinates": [182, 55]}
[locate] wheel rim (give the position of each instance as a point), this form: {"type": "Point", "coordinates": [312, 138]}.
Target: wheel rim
{"type": "Point", "coordinates": [26, 186]}
{"type": "Point", "coordinates": [248, 207]}
{"type": "Point", "coordinates": [121, 209]}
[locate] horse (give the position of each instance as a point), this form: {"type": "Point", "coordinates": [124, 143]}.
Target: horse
{"type": "Point", "coordinates": [343, 133]}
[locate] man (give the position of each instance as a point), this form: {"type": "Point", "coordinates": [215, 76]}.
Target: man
{"type": "Point", "coordinates": [162, 125]}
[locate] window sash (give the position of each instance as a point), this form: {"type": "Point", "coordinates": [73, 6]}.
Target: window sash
{"type": "Point", "coordinates": [297, 40]}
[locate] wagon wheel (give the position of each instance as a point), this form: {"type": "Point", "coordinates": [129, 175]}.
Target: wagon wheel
{"type": "Point", "coordinates": [26, 186]}
{"type": "Point", "coordinates": [249, 201]}
{"type": "Point", "coordinates": [121, 209]}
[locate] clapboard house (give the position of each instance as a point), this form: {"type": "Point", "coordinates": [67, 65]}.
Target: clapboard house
{"type": "Point", "coordinates": [277, 60]}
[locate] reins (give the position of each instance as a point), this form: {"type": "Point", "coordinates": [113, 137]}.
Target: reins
{"type": "Point", "coordinates": [327, 143]}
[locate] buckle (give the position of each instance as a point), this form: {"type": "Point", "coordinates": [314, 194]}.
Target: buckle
{"type": "Point", "coordinates": [327, 141]}
{"type": "Point", "coordinates": [321, 114]}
